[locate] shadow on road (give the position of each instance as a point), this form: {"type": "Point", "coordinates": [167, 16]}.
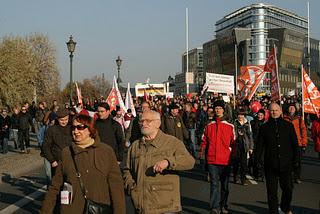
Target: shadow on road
{"type": "Point", "coordinates": [25, 186]}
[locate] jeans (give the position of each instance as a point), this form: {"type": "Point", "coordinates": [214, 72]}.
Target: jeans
{"type": "Point", "coordinates": [24, 139]}
{"type": "Point", "coordinates": [47, 168]}
{"type": "Point", "coordinates": [40, 135]}
{"type": "Point", "coordinates": [219, 175]}
{"type": "Point", "coordinates": [15, 137]}
{"type": "Point", "coordinates": [4, 145]}
{"type": "Point", "coordinates": [193, 142]}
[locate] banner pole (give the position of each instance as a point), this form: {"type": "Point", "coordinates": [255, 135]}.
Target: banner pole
{"type": "Point", "coordinates": [302, 93]}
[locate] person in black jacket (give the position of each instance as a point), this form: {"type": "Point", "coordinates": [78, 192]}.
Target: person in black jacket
{"type": "Point", "coordinates": [57, 137]}
{"type": "Point", "coordinates": [5, 123]}
{"type": "Point", "coordinates": [278, 143]}
{"type": "Point", "coordinates": [25, 121]}
{"type": "Point", "coordinates": [257, 122]}
{"type": "Point", "coordinates": [110, 131]}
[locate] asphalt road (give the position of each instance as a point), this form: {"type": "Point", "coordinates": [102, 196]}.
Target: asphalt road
{"type": "Point", "coordinates": [24, 194]}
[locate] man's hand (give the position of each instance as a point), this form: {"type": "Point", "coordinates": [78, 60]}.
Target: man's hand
{"type": "Point", "coordinates": [160, 166]}
{"type": "Point", "coordinates": [54, 164]}
{"type": "Point", "coordinates": [250, 151]}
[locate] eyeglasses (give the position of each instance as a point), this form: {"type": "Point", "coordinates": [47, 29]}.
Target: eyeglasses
{"type": "Point", "coordinates": [23, 109]}
{"type": "Point", "coordinates": [148, 121]}
{"type": "Point", "coordinates": [79, 127]}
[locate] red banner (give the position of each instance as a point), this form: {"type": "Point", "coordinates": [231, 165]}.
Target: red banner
{"type": "Point", "coordinates": [272, 67]}
{"type": "Point", "coordinates": [115, 98]}
{"type": "Point", "coordinates": [311, 96]}
{"type": "Point", "coordinates": [249, 80]}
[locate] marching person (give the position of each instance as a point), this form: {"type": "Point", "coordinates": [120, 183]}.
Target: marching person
{"type": "Point", "coordinates": [301, 132]}
{"type": "Point", "coordinates": [217, 142]}
{"type": "Point", "coordinates": [110, 131]}
{"type": "Point", "coordinates": [56, 138]}
{"type": "Point", "coordinates": [24, 123]}
{"type": "Point", "coordinates": [5, 123]}
{"type": "Point", "coordinates": [278, 142]}
{"type": "Point", "coordinates": [243, 147]}
{"type": "Point", "coordinates": [96, 167]}
{"type": "Point", "coordinates": [149, 172]}
{"type": "Point", "coordinates": [172, 124]}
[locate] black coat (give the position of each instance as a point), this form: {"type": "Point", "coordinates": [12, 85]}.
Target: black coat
{"type": "Point", "coordinates": [4, 126]}
{"type": "Point", "coordinates": [25, 121]}
{"type": "Point", "coordinates": [56, 139]}
{"type": "Point", "coordinates": [110, 132]}
{"type": "Point", "coordinates": [278, 144]}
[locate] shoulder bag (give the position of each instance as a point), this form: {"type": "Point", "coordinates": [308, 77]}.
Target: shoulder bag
{"type": "Point", "coordinates": [91, 207]}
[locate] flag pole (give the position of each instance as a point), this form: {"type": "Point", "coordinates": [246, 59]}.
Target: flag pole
{"type": "Point", "coordinates": [187, 50]}
{"type": "Point", "coordinates": [236, 75]}
{"type": "Point", "coordinates": [277, 70]}
{"type": "Point", "coordinates": [302, 93]}
{"type": "Point", "coordinates": [309, 57]}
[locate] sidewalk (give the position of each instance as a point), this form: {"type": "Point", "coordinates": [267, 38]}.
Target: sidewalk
{"type": "Point", "coordinates": [14, 164]}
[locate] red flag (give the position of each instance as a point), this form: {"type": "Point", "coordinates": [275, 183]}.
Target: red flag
{"type": "Point", "coordinates": [311, 95]}
{"type": "Point", "coordinates": [115, 98]}
{"type": "Point", "coordinates": [249, 80]}
{"type": "Point", "coordinates": [272, 67]}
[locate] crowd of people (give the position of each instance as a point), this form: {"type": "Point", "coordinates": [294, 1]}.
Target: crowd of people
{"type": "Point", "coordinates": [92, 153]}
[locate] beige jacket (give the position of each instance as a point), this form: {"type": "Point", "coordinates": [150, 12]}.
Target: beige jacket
{"type": "Point", "coordinates": [156, 193]}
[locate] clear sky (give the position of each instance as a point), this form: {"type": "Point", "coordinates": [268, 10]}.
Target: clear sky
{"type": "Point", "coordinates": [149, 35]}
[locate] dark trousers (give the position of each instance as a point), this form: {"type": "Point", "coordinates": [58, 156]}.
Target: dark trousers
{"type": "Point", "coordinates": [219, 175]}
{"type": "Point", "coordinates": [240, 161]}
{"type": "Point", "coordinates": [24, 140]}
{"type": "Point", "coordinates": [297, 170]}
{"type": "Point", "coordinates": [286, 185]}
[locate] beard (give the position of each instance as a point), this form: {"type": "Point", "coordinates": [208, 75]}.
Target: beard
{"type": "Point", "coordinates": [146, 131]}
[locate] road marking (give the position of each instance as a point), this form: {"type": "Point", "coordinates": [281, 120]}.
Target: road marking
{"type": "Point", "coordinates": [31, 197]}
{"type": "Point", "coordinates": [251, 179]}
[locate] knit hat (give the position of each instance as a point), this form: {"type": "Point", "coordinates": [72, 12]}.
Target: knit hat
{"type": "Point", "coordinates": [219, 103]}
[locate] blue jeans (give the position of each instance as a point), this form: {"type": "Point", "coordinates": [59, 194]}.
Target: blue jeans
{"type": "Point", "coordinates": [4, 145]}
{"type": "Point", "coordinates": [40, 135]}
{"type": "Point", "coordinates": [219, 175]}
{"type": "Point", "coordinates": [193, 141]}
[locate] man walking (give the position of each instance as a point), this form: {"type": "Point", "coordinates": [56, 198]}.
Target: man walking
{"type": "Point", "coordinates": [278, 142]}
{"type": "Point", "coordinates": [24, 121]}
{"type": "Point", "coordinates": [56, 139]}
{"type": "Point", "coordinates": [149, 172]}
{"type": "Point", "coordinates": [110, 131]}
{"type": "Point", "coordinates": [217, 141]}
{"type": "Point", "coordinates": [5, 123]}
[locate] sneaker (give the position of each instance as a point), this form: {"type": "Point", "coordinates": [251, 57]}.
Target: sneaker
{"type": "Point", "coordinates": [297, 181]}
{"type": "Point", "coordinates": [214, 211]}
{"type": "Point", "coordinates": [244, 183]}
{"type": "Point", "coordinates": [224, 210]}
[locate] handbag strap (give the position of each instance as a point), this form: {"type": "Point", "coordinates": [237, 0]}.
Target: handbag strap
{"type": "Point", "coordinates": [83, 189]}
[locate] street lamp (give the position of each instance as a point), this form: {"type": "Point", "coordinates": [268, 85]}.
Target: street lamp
{"type": "Point", "coordinates": [71, 46]}
{"type": "Point", "coordinates": [119, 61]}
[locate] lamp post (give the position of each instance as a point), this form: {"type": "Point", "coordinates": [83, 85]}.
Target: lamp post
{"type": "Point", "coordinates": [118, 61]}
{"type": "Point", "coordinates": [71, 46]}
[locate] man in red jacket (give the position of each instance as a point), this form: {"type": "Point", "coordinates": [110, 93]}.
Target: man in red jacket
{"type": "Point", "coordinates": [217, 141]}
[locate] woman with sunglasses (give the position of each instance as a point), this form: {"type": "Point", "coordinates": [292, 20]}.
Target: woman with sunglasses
{"type": "Point", "coordinates": [98, 170]}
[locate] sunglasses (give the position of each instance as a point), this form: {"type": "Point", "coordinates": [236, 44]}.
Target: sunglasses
{"type": "Point", "coordinates": [79, 127]}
